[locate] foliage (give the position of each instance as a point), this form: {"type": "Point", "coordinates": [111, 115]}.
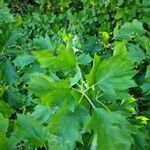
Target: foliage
{"type": "Point", "coordinates": [74, 75]}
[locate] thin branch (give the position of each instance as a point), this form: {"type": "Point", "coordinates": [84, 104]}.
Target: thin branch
{"type": "Point", "coordinates": [88, 99]}
{"type": "Point", "coordinates": [103, 105]}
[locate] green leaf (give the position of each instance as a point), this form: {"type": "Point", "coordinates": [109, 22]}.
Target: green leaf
{"type": "Point", "coordinates": [77, 77]}
{"type": "Point", "coordinates": [10, 75]}
{"type": "Point", "coordinates": [42, 84]}
{"type": "Point", "coordinates": [3, 129]}
{"type": "Point", "coordinates": [63, 62]}
{"type": "Point", "coordinates": [136, 54]}
{"type": "Point", "coordinates": [5, 109]}
{"type": "Point", "coordinates": [9, 37]}
{"type": "Point", "coordinates": [91, 77]}
{"type": "Point", "coordinates": [42, 113]}
{"type": "Point", "coordinates": [120, 47]}
{"type": "Point", "coordinates": [129, 105]}
{"type": "Point", "coordinates": [52, 92]}
{"type": "Point", "coordinates": [67, 128]}
{"type": "Point", "coordinates": [23, 60]}
{"type": "Point", "coordinates": [111, 131]}
{"type": "Point", "coordinates": [84, 59]}
{"type": "Point", "coordinates": [3, 124]}
{"type": "Point", "coordinates": [145, 43]}
{"type": "Point", "coordinates": [2, 89]}
{"type": "Point", "coordinates": [130, 30]}
{"type": "Point", "coordinates": [5, 16]}
{"type": "Point", "coordinates": [146, 86]}
{"type": "Point", "coordinates": [4, 142]}
{"type": "Point", "coordinates": [43, 43]}
{"type": "Point", "coordinates": [14, 98]}
{"type": "Point", "coordinates": [29, 129]}
{"type": "Point", "coordinates": [114, 76]}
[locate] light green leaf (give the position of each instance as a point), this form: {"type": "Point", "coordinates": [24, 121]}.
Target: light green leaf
{"type": "Point", "coordinates": [136, 54]}
{"type": "Point", "coordinates": [41, 84]}
{"type": "Point", "coordinates": [63, 62]}
{"type": "Point", "coordinates": [91, 77]}
{"type": "Point", "coordinates": [120, 47]}
{"type": "Point", "coordinates": [5, 109]}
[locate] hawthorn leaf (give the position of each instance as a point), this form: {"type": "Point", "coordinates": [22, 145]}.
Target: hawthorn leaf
{"type": "Point", "coordinates": [23, 60]}
{"type": "Point", "coordinates": [5, 16]}
{"type": "Point", "coordinates": [136, 54]}
{"type": "Point", "coordinates": [129, 30]}
{"type": "Point", "coordinates": [145, 44]}
{"type": "Point", "coordinates": [43, 43]}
